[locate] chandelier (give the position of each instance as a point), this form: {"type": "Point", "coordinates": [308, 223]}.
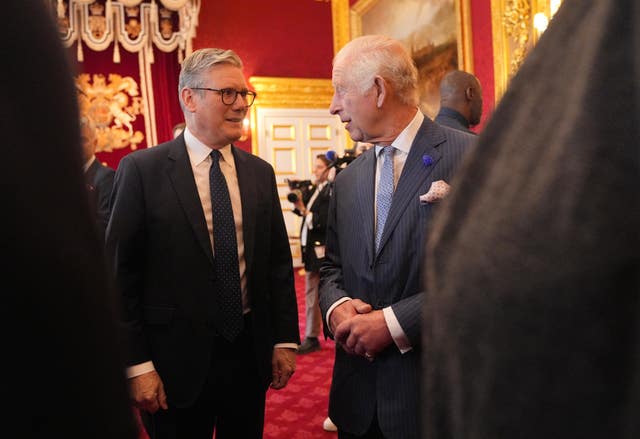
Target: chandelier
{"type": "Point", "coordinates": [136, 25]}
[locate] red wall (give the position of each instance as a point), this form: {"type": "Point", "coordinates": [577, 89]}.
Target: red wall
{"type": "Point", "coordinates": [289, 38]}
{"type": "Point", "coordinates": [482, 41]}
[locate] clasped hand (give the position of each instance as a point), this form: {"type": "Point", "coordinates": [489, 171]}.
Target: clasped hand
{"type": "Point", "coordinates": [359, 329]}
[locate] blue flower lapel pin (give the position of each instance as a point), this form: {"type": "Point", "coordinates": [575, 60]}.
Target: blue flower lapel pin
{"type": "Point", "coordinates": [427, 160]}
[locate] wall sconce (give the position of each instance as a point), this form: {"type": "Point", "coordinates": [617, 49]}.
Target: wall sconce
{"type": "Point", "coordinates": [516, 27]}
{"type": "Point", "coordinates": [540, 22]}
{"type": "Point", "coordinates": [246, 129]}
{"type": "Point", "coordinates": [542, 18]}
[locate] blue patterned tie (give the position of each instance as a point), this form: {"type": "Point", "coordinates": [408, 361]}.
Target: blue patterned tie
{"type": "Point", "coordinates": [227, 284]}
{"type": "Point", "coordinates": [385, 192]}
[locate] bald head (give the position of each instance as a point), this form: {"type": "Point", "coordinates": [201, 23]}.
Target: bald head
{"type": "Point", "coordinates": [461, 91]}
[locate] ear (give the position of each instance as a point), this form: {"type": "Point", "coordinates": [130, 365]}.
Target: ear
{"type": "Point", "coordinates": [469, 93]}
{"type": "Point", "coordinates": [188, 99]}
{"type": "Point", "coordinates": [380, 86]}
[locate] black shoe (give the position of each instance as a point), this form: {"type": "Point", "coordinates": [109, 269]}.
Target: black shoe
{"type": "Point", "coordinates": [310, 344]}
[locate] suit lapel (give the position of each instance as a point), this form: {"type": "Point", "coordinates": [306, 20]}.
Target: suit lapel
{"type": "Point", "coordinates": [91, 172]}
{"type": "Point", "coordinates": [183, 181]}
{"type": "Point", "coordinates": [246, 182]}
{"type": "Point", "coordinates": [414, 173]}
{"type": "Point", "coordinates": [366, 195]}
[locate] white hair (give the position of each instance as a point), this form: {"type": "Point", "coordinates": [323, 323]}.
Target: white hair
{"type": "Point", "coordinates": [372, 55]}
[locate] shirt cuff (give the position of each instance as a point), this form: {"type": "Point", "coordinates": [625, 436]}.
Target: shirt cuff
{"type": "Point", "coordinates": [286, 346]}
{"type": "Point", "coordinates": [399, 337]}
{"type": "Point", "coordinates": [331, 308]}
{"type": "Point", "coordinates": [140, 369]}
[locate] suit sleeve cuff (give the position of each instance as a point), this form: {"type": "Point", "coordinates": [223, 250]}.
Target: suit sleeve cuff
{"type": "Point", "coordinates": [399, 337]}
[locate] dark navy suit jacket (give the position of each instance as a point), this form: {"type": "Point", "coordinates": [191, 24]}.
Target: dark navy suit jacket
{"type": "Point", "coordinates": [158, 241]}
{"type": "Point", "coordinates": [99, 184]}
{"type": "Point", "coordinates": [390, 277]}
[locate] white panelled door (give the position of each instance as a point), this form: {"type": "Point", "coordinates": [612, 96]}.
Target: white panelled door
{"type": "Point", "coordinates": [290, 139]}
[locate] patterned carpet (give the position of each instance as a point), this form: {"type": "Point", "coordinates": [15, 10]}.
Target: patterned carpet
{"type": "Point", "coordinates": [298, 410]}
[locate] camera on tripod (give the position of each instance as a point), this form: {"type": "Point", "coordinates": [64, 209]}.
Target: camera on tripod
{"type": "Point", "coordinates": [300, 189]}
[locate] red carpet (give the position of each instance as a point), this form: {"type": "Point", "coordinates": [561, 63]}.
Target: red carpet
{"type": "Point", "coordinates": [298, 410]}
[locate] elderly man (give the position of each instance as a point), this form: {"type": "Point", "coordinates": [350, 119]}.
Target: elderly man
{"type": "Point", "coordinates": [370, 291]}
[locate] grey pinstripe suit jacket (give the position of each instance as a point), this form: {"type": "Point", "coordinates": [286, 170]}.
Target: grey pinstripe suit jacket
{"type": "Point", "coordinates": [390, 384]}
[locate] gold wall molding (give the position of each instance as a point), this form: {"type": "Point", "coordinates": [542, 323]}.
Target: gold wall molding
{"type": "Point", "coordinates": [514, 35]}
{"type": "Point", "coordinates": [340, 20]}
{"type": "Point", "coordinates": [277, 92]}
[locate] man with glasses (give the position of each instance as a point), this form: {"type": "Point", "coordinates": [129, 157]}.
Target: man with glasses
{"type": "Point", "coordinates": [201, 257]}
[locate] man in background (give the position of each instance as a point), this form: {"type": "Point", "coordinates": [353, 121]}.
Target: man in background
{"type": "Point", "coordinates": [370, 291]}
{"type": "Point", "coordinates": [532, 317]}
{"type": "Point", "coordinates": [99, 178]}
{"type": "Point", "coordinates": [460, 101]}
{"type": "Point", "coordinates": [202, 260]}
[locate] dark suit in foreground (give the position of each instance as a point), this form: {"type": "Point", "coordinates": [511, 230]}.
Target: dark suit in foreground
{"type": "Point", "coordinates": [62, 364]}
{"type": "Point", "coordinates": [532, 316]}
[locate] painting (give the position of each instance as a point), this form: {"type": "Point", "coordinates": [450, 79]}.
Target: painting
{"type": "Point", "coordinates": [434, 32]}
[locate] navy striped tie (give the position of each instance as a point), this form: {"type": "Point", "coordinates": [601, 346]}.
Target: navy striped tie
{"type": "Point", "coordinates": [227, 284]}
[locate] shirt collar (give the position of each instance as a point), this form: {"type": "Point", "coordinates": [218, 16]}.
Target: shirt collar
{"type": "Point", "coordinates": [198, 151]}
{"type": "Point", "coordinates": [407, 135]}
{"type": "Point", "coordinates": [88, 163]}
{"type": "Point", "coordinates": [450, 112]}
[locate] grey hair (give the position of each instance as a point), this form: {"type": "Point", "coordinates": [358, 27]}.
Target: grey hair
{"type": "Point", "coordinates": [199, 62]}
{"type": "Point", "coordinates": [372, 55]}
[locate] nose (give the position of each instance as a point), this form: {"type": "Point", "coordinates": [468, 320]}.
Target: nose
{"type": "Point", "coordinates": [240, 103]}
{"type": "Point", "coordinates": [335, 106]}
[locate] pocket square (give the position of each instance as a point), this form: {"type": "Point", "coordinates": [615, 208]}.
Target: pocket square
{"type": "Point", "coordinates": [438, 190]}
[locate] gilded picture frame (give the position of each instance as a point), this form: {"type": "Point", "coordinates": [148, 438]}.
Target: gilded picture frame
{"type": "Point", "coordinates": [437, 33]}
{"type": "Point", "coordinates": [516, 26]}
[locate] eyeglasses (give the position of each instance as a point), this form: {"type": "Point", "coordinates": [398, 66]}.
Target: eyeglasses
{"type": "Point", "coordinates": [229, 95]}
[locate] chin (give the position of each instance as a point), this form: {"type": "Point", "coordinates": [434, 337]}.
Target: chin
{"type": "Point", "coordinates": [234, 135]}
